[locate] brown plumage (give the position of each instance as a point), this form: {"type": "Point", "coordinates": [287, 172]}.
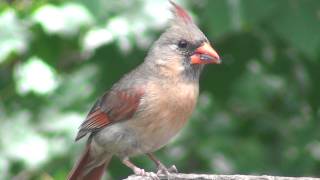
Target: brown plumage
{"type": "Point", "coordinates": [149, 105]}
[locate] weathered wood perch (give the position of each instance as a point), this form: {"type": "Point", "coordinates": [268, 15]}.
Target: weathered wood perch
{"type": "Point", "coordinates": [219, 177]}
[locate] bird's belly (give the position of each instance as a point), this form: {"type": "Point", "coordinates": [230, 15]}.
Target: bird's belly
{"type": "Point", "coordinates": [118, 139]}
{"type": "Point", "coordinates": [154, 133]}
{"type": "Point", "coordinates": [141, 134]}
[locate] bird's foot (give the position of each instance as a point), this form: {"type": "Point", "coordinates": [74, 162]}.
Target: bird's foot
{"type": "Point", "coordinates": [162, 170]}
{"type": "Point", "coordinates": [142, 172]}
{"type": "Point", "coordinates": [173, 169]}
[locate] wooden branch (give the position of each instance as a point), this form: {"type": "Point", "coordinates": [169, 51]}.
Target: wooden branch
{"type": "Point", "coordinates": [218, 177]}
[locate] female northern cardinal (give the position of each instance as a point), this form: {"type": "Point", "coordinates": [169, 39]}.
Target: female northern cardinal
{"type": "Point", "coordinates": [149, 105]}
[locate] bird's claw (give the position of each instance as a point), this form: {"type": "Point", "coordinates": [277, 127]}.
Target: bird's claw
{"type": "Point", "coordinates": [162, 170]}
{"type": "Point", "coordinates": [173, 169]}
{"type": "Point", "coordinates": [142, 172]}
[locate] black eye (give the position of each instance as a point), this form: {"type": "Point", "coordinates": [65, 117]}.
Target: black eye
{"type": "Point", "coordinates": [182, 44]}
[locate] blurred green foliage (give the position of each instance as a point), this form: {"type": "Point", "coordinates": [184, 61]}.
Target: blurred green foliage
{"type": "Point", "coordinates": [258, 112]}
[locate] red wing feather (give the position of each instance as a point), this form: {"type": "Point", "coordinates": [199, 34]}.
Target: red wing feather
{"type": "Point", "coordinates": [127, 109]}
{"type": "Point", "coordinates": [112, 107]}
{"type": "Point", "coordinates": [96, 120]}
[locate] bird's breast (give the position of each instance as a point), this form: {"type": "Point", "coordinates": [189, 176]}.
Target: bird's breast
{"type": "Point", "coordinates": [164, 110]}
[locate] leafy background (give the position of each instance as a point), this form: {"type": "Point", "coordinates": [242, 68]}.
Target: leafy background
{"type": "Point", "coordinates": [258, 112]}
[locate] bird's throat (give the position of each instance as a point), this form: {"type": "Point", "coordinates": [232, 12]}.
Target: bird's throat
{"type": "Point", "coordinates": [192, 72]}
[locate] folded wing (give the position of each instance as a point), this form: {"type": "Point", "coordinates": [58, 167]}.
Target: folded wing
{"type": "Point", "coordinates": [113, 107]}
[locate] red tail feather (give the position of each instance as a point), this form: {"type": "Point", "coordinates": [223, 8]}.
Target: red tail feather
{"type": "Point", "coordinates": [80, 168]}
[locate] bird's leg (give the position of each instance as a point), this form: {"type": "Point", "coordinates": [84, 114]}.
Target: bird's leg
{"type": "Point", "coordinates": [137, 170]}
{"type": "Point", "coordinates": [158, 163]}
{"type": "Point", "coordinates": [162, 168]}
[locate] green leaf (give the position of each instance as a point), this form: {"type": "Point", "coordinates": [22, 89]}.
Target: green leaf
{"type": "Point", "coordinates": [65, 20]}
{"type": "Point", "coordinates": [13, 35]}
{"type": "Point", "coordinates": [299, 24]}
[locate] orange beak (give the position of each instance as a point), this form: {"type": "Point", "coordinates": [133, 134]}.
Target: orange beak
{"type": "Point", "coordinates": [205, 54]}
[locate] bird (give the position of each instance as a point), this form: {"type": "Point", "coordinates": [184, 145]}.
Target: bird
{"type": "Point", "coordinates": [149, 105]}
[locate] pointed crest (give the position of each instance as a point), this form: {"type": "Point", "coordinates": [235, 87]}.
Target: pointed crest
{"type": "Point", "coordinates": [180, 12]}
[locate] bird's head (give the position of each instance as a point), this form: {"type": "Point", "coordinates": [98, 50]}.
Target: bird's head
{"type": "Point", "coordinates": [183, 47]}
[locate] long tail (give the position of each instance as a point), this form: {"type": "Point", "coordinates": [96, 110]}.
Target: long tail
{"type": "Point", "coordinates": [86, 169]}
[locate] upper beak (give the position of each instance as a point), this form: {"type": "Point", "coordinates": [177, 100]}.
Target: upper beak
{"type": "Point", "coordinates": [205, 54]}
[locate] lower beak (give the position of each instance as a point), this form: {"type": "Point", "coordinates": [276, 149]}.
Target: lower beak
{"type": "Point", "coordinates": [205, 54]}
